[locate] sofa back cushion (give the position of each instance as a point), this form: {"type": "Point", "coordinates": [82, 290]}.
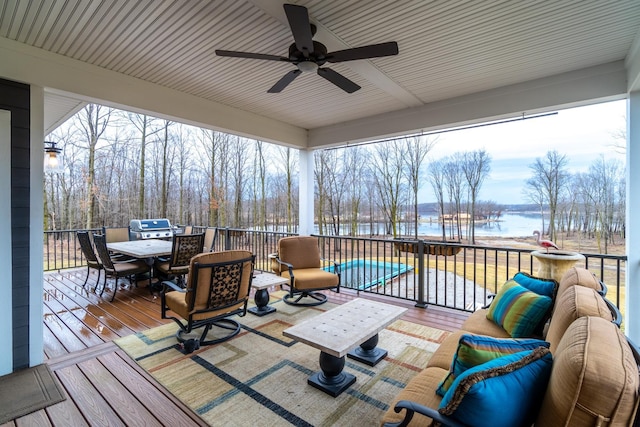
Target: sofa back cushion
{"type": "Point", "coordinates": [575, 302]}
{"type": "Point", "coordinates": [594, 379]}
{"type": "Point", "coordinates": [581, 277]}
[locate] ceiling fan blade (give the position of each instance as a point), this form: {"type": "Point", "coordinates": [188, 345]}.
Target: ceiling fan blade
{"type": "Point", "coordinates": [364, 52]}
{"type": "Point", "coordinates": [338, 79]}
{"type": "Point", "coordinates": [284, 81]}
{"type": "Point", "coordinates": [250, 55]}
{"type": "Point", "coordinates": [298, 18]}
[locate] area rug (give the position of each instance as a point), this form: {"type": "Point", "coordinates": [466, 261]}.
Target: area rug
{"type": "Point", "coordinates": [27, 391]}
{"type": "Point", "coordinates": [259, 377]}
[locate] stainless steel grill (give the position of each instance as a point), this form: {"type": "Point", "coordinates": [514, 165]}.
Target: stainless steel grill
{"type": "Point", "coordinates": [140, 229]}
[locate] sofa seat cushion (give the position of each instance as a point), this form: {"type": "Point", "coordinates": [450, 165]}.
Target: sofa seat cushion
{"type": "Point", "coordinates": [518, 310]}
{"type": "Point", "coordinates": [594, 380]}
{"type": "Point", "coordinates": [421, 389]}
{"type": "Point", "coordinates": [443, 355]}
{"type": "Point", "coordinates": [474, 350]}
{"type": "Point", "coordinates": [576, 302]}
{"type": "Point", "coordinates": [504, 392]}
{"type": "Point", "coordinates": [477, 323]}
{"type": "Point", "coordinates": [581, 277]}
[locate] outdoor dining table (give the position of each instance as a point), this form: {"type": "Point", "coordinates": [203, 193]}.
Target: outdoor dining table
{"type": "Point", "coordinates": [142, 249]}
{"type": "Point", "coordinates": [148, 250]}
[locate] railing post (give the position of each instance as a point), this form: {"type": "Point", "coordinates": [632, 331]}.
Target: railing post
{"type": "Point", "coordinates": [227, 239]}
{"type": "Point", "coordinates": [421, 302]}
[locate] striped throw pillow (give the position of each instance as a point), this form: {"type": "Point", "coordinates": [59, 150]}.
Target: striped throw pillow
{"type": "Point", "coordinates": [474, 350]}
{"type": "Point", "coordinates": [518, 310]}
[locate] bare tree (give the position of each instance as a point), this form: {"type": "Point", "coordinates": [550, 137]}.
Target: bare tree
{"type": "Point", "coordinates": [455, 182]}
{"type": "Point", "coordinates": [143, 124]}
{"type": "Point", "coordinates": [437, 181]}
{"type": "Point", "coordinates": [288, 164]}
{"type": "Point", "coordinates": [550, 177]}
{"type": "Point", "coordinates": [476, 166]}
{"type": "Point", "coordinates": [93, 121]}
{"type": "Point", "coordinates": [604, 177]}
{"type": "Point", "coordinates": [321, 161]}
{"type": "Point", "coordinates": [416, 150]}
{"type": "Point", "coordinates": [388, 163]}
{"type": "Point", "coordinates": [260, 191]}
{"type": "Point", "coordinates": [356, 159]}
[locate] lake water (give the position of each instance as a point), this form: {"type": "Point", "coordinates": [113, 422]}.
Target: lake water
{"type": "Point", "coordinates": [510, 225]}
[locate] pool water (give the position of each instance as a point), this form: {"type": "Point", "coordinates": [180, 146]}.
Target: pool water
{"type": "Point", "coordinates": [362, 274]}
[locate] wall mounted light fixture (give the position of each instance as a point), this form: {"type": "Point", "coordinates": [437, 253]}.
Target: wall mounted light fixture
{"type": "Point", "coordinates": [52, 157]}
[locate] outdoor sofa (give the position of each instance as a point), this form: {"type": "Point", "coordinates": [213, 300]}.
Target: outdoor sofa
{"type": "Point", "coordinates": [575, 368]}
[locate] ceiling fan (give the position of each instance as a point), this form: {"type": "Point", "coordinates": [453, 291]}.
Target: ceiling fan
{"type": "Point", "coordinates": [309, 55]}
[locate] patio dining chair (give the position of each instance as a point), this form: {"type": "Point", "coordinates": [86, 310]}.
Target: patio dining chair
{"type": "Point", "coordinates": [116, 270]}
{"type": "Point", "coordinates": [89, 255]}
{"type": "Point", "coordinates": [298, 259]}
{"type": "Point", "coordinates": [210, 238]}
{"type": "Point", "coordinates": [185, 247]}
{"type": "Point", "coordinates": [117, 234]}
{"type": "Point", "coordinates": [217, 289]}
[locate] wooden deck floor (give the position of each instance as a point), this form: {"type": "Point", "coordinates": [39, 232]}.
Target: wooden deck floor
{"type": "Point", "coordinates": [104, 386]}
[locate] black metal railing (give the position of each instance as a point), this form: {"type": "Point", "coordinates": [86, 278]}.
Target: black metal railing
{"type": "Point", "coordinates": [428, 273]}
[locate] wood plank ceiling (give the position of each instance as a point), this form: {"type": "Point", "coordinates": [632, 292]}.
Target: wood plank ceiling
{"type": "Point", "coordinates": [447, 48]}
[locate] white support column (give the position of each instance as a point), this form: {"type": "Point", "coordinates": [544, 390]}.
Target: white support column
{"type": "Point", "coordinates": [36, 229]}
{"type": "Point", "coordinates": [306, 190]}
{"type": "Point", "coordinates": [632, 282]}
{"type": "Point", "coordinates": [6, 308]}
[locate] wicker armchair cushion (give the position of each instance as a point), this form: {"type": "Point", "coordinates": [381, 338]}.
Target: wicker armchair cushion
{"type": "Point", "coordinates": [576, 302]}
{"type": "Point", "coordinates": [594, 380]}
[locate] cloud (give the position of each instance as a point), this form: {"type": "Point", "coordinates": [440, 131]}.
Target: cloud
{"type": "Point", "coordinates": [583, 134]}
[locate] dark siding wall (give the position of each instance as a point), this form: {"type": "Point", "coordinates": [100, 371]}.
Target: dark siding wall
{"type": "Point", "coordinates": [15, 97]}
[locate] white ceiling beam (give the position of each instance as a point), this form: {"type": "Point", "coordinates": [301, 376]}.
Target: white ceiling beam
{"type": "Point", "coordinates": [595, 84]}
{"type": "Point", "coordinates": [632, 62]}
{"type": "Point", "coordinates": [76, 79]}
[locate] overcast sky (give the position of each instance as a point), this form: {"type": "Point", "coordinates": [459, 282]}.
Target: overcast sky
{"type": "Point", "coordinates": [582, 134]}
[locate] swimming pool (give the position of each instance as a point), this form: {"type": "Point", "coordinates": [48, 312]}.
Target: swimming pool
{"type": "Point", "coordinates": [362, 274]}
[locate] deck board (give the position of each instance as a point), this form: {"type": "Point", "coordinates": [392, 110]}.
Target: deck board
{"type": "Point", "coordinates": [106, 387]}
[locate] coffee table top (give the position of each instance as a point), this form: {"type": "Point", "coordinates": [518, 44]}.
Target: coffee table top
{"type": "Point", "coordinates": [265, 280]}
{"type": "Point", "coordinates": [340, 329]}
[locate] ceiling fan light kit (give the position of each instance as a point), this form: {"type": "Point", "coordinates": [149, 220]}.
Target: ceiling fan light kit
{"type": "Point", "coordinates": [309, 55]}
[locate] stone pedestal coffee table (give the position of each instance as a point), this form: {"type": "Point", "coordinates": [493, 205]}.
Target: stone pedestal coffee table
{"type": "Point", "coordinates": [339, 330]}
{"type": "Point", "coordinates": [261, 282]}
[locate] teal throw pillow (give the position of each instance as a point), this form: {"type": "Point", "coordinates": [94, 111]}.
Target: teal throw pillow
{"type": "Point", "coordinates": [518, 310]}
{"type": "Point", "coordinates": [546, 287]}
{"type": "Point", "coordinates": [475, 350]}
{"type": "Point", "coordinates": [504, 392]}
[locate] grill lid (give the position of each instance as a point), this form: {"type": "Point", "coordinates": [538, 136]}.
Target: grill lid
{"type": "Point", "coordinates": [150, 224]}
